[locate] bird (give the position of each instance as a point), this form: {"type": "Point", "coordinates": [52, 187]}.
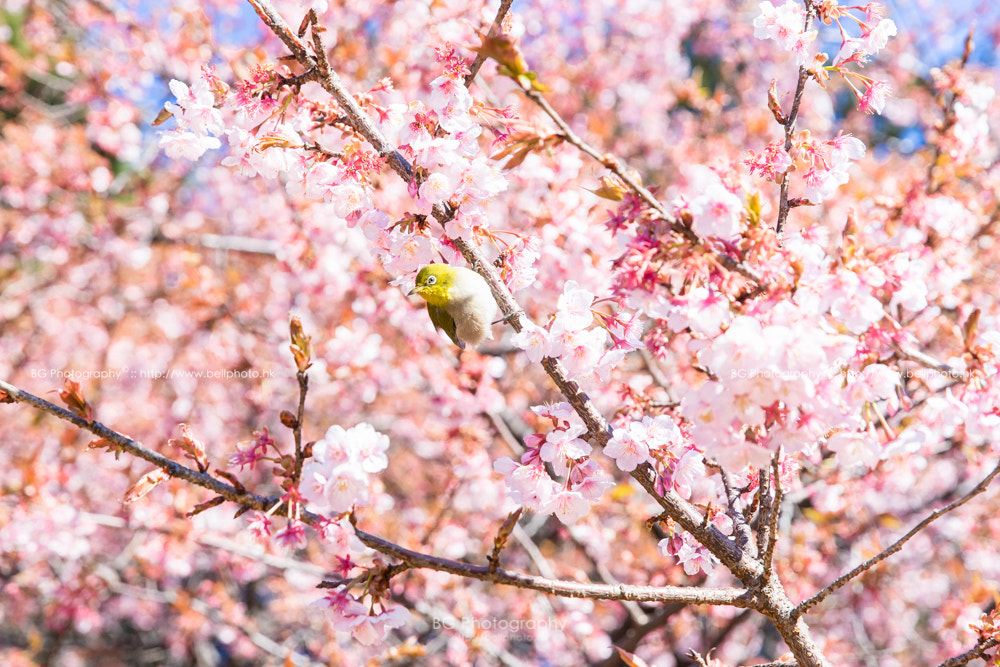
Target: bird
{"type": "Point", "coordinates": [459, 301]}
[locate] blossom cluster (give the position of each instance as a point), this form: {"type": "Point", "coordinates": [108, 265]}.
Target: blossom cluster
{"type": "Point", "coordinates": [199, 123]}
{"type": "Point", "coordinates": [349, 614]}
{"type": "Point", "coordinates": [968, 137]}
{"type": "Point", "coordinates": [336, 478]}
{"type": "Point", "coordinates": [692, 555]}
{"type": "Point", "coordinates": [716, 210]}
{"type": "Point", "coordinates": [571, 337]}
{"type": "Point", "coordinates": [786, 25]}
{"type": "Point", "coordinates": [823, 163]}
{"type": "Point", "coordinates": [528, 482]}
{"type": "Point", "coordinates": [786, 382]}
{"type": "Point", "coordinates": [679, 466]}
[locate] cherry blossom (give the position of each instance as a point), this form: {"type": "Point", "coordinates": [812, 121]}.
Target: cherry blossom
{"type": "Point", "coordinates": [749, 334]}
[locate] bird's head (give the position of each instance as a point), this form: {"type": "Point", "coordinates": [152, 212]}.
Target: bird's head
{"type": "Point", "coordinates": [434, 284]}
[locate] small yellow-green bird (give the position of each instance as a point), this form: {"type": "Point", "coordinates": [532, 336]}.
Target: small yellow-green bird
{"type": "Point", "coordinates": [459, 301]}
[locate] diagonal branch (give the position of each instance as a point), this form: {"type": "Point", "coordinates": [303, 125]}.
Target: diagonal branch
{"type": "Point", "coordinates": [927, 361]}
{"type": "Point", "coordinates": [683, 512]}
{"type": "Point", "coordinates": [744, 534]}
{"type": "Point", "coordinates": [896, 546]}
{"type": "Point", "coordinates": [630, 634]}
{"type": "Point", "coordinates": [948, 122]}
{"type": "Point", "coordinates": [614, 165]}
{"type": "Point", "coordinates": [977, 651]}
{"type": "Point", "coordinates": [124, 443]}
{"type": "Point", "coordinates": [608, 161]}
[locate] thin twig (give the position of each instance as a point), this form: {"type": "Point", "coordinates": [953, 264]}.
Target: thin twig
{"type": "Point", "coordinates": [793, 114]}
{"type": "Point", "coordinates": [661, 380]}
{"type": "Point", "coordinates": [896, 546]}
{"type": "Point", "coordinates": [773, 518]}
{"type": "Point", "coordinates": [630, 634]}
{"type": "Point", "coordinates": [495, 29]}
{"type": "Point", "coordinates": [764, 511]}
{"type": "Point", "coordinates": [300, 416]}
{"type": "Point", "coordinates": [444, 501]}
{"type": "Point", "coordinates": [949, 120]}
{"type": "Point", "coordinates": [927, 361]}
{"type": "Point", "coordinates": [136, 449]}
{"type": "Point", "coordinates": [609, 161]}
{"type": "Point", "coordinates": [503, 429]}
{"type": "Point", "coordinates": [229, 243]}
{"type": "Point", "coordinates": [977, 651]}
{"type": "Point", "coordinates": [719, 637]}
{"type": "Point", "coordinates": [743, 531]}
{"type": "Point", "coordinates": [635, 612]}
{"type": "Point", "coordinates": [534, 553]}
{"type": "Point", "coordinates": [697, 658]}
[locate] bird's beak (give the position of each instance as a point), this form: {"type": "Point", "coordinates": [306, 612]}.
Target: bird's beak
{"type": "Point", "coordinates": [412, 291]}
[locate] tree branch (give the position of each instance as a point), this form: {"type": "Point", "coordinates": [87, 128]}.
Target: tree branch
{"type": "Point", "coordinates": [598, 427]}
{"type": "Point", "coordinates": [772, 519]}
{"type": "Point", "coordinates": [136, 449]}
{"type": "Point", "coordinates": [226, 242]}
{"type": "Point", "coordinates": [300, 455]}
{"type": "Point", "coordinates": [949, 120]}
{"type": "Point", "coordinates": [667, 594]}
{"type": "Point", "coordinates": [413, 559]}
{"type": "Point", "coordinates": [793, 114]}
{"type": "Point", "coordinates": [614, 165]}
{"type": "Point", "coordinates": [740, 527]}
{"type": "Point", "coordinates": [631, 633]}
{"type": "Point", "coordinates": [927, 361]}
{"type": "Point", "coordinates": [764, 512]}
{"type": "Point", "coordinates": [896, 546]}
{"type": "Point", "coordinates": [977, 651]}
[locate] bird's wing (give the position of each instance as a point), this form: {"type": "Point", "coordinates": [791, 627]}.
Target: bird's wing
{"type": "Point", "coordinates": [442, 320]}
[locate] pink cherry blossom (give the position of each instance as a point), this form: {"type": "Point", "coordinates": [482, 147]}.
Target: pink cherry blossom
{"type": "Point", "coordinates": [563, 445]}
{"type": "Point", "coordinates": [533, 340]}
{"type": "Point", "coordinates": [187, 145]}
{"type": "Point", "coordinates": [195, 109]}
{"type": "Point", "coordinates": [696, 559]}
{"type": "Point", "coordinates": [628, 447]}
{"type": "Point", "coordinates": [574, 308]}
{"type": "Point", "coordinates": [568, 506]}
{"type": "Point", "coordinates": [707, 320]}
{"type": "Point", "coordinates": [785, 25]}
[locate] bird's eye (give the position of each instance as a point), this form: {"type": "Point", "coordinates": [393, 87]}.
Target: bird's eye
{"type": "Point", "coordinates": [431, 280]}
